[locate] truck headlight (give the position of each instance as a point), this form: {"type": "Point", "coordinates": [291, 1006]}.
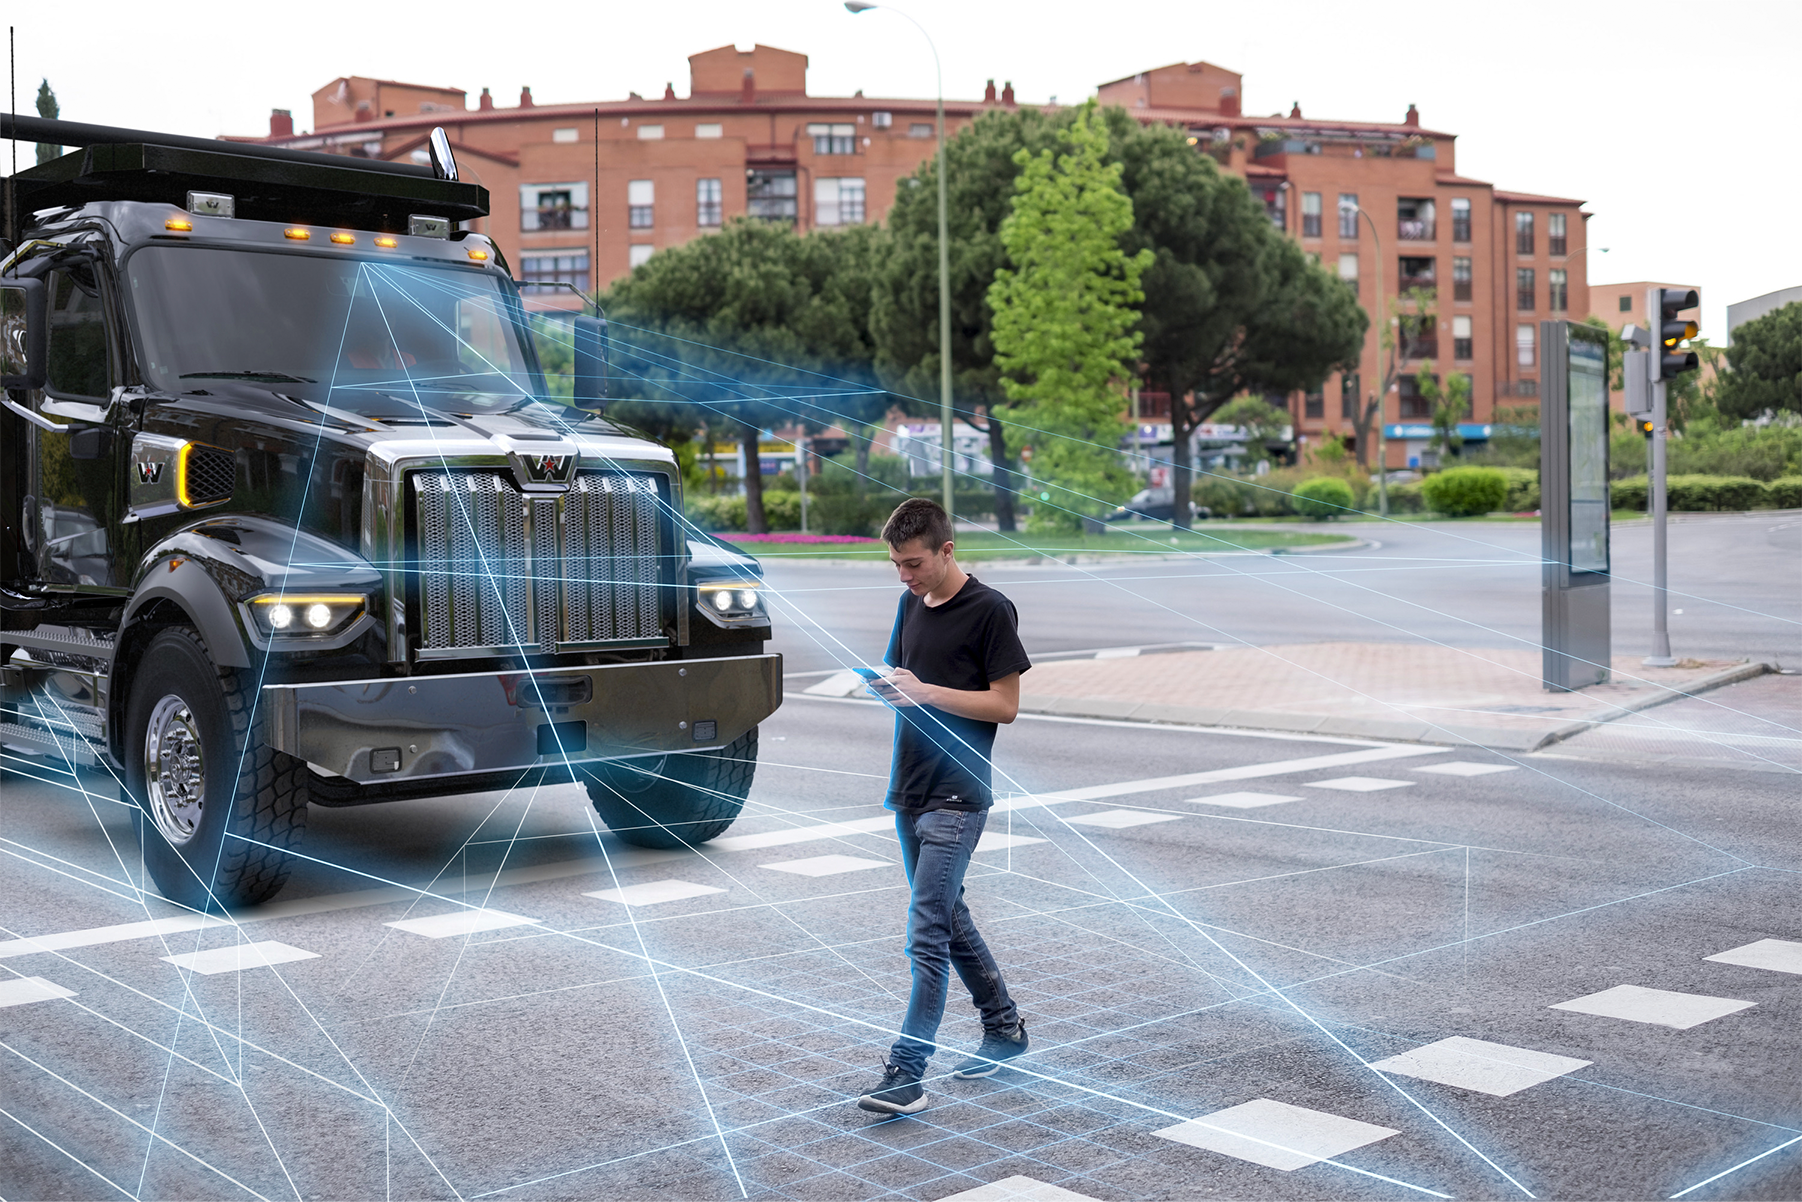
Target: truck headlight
{"type": "Point", "coordinates": [311, 615]}
{"type": "Point", "coordinates": [728, 598]}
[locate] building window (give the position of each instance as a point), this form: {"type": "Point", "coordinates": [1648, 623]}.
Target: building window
{"type": "Point", "coordinates": [770, 194]}
{"type": "Point", "coordinates": [1626, 304]}
{"type": "Point", "coordinates": [638, 254]}
{"type": "Point", "coordinates": [564, 135]}
{"type": "Point", "coordinates": [920, 129]}
{"type": "Point", "coordinates": [882, 120]}
{"type": "Point", "coordinates": [1348, 397]}
{"type": "Point", "coordinates": [1554, 233]}
{"type": "Point", "coordinates": [1524, 287]}
{"type": "Point", "coordinates": [1557, 290]}
{"type": "Point", "coordinates": [1419, 335]}
{"type": "Point", "coordinates": [833, 139]}
{"type": "Point", "coordinates": [1313, 406]}
{"type": "Point", "coordinates": [1414, 220]}
{"type": "Point", "coordinates": [1414, 407]}
{"type": "Point", "coordinates": [1348, 216]}
{"type": "Point", "coordinates": [1461, 287]}
{"type": "Point", "coordinates": [1276, 204]}
{"type": "Point", "coordinates": [553, 206]}
{"type": "Point", "coordinates": [650, 133]}
{"type": "Point", "coordinates": [1462, 343]}
{"type": "Point", "coordinates": [1460, 219]}
{"type": "Point", "coordinates": [1310, 214]}
{"type": "Point", "coordinates": [1523, 233]}
{"type": "Point", "coordinates": [1348, 269]}
{"type": "Point", "coordinates": [710, 129]}
{"type": "Point", "coordinates": [838, 201]}
{"type": "Point", "coordinates": [1524, 344]}
{"type": "Point", "coordinates": [1417, 273]}
{"type": "Point", "coordinates": [707, 202]}
{"type": "Point", "coordinates": [641, 204]}
{"type": "Point", "coordinates": [555, 267]}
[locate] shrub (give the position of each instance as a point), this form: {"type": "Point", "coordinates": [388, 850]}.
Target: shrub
{"type": "Point", "coordinates": [1323, 497]}
{"type": "Point", "coordinates": [1523, 489]}
{"type": "Point", "coordinates": [1785, 492]}
{"type": "Point", "coordinates": [1629, 493]}
{"type": "Point", "coordinates": [1465, 491]}
{"type": "Point", "coordinates": [1403, 498]}
{"type": "Point", "coordinates": [1697, 494]}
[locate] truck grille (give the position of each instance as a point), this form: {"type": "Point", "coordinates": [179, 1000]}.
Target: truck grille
{"type": "Point", "coordinates": [501, 569]}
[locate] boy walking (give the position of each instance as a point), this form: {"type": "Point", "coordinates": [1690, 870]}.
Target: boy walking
{"type": "Point", "coordinates": [955, 661]}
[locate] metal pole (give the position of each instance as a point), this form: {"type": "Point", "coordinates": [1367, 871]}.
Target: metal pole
{"type": "Point", "coordinates": [1661, 635]}
{"type": "Point", "coordinates": [801, 475]}
{"type": "Point", "coordinates": [944, 298]}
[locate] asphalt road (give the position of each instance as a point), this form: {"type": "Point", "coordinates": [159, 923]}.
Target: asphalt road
{"type": "Point", "coordinates": [1176, 957]}
{"type": "Point", "coordinates": [1736, 580]}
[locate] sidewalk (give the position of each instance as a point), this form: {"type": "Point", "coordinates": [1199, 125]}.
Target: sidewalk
{"type": "Point", "coordinates": [1423, 694]}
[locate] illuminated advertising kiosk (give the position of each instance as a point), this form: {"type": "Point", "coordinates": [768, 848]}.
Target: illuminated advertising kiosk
{"type": "Point", "coordinates": [1573, 504]}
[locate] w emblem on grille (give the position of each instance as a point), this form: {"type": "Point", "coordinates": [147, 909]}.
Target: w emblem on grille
{"type": "Point", "coordinates": [538, 470]}
{"type": "Point", "coordinates": [149, 473]}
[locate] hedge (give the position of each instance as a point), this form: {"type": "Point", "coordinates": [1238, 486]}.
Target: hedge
{"type": "Point", "coordinates": [1785, 492]}
{"type": "Point", "coordinates": [1523, 489]}
{"type": "Point", "coordinates": [1323, 497]}
{"type": "Point", "coordinates": [835, 513]}
{"type": "Point", "coordinates": [1701, 494]}
{"type": "Point", "coordinates": [1465, 491]}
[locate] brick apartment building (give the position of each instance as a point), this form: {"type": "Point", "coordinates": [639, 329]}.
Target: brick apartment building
{"type": "Point", "coordinates": [583, 192]}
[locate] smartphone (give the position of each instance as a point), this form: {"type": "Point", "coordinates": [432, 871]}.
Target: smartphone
{"type": "Point", "coordinates": [868, 673]}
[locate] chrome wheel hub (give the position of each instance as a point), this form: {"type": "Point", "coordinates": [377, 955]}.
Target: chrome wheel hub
{"type": "Point", "coordinates": [174, 770]}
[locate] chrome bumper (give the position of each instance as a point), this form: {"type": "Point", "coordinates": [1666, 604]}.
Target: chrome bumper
{"type": "Point", "coordinates": [372, 731]}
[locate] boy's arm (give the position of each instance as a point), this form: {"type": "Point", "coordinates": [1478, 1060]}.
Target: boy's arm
{"type": "Point", "coordinates": [1000, 702]}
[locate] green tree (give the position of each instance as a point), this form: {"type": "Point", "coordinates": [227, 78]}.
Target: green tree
{"type": "Point", "coordinates": [1451, 405]}
{"type": "Point", "coordinates": [1764, 366]}
{"type": "Point", "coordinates": [1262, 422]}
{"type": "Point", "coordinates": [1065, 331]}
{"type": "Point", "coordinates": [752, 327]}
{"type": "Point", "coordinates": [48, 109]}
{"type": "Point", "coordinates": [1411, 318]}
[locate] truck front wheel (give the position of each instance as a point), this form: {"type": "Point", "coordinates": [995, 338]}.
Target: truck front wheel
{"type": "Point", "coordinates": [219, 809]}
{"type": "Point", "coordinates": [675, 800]}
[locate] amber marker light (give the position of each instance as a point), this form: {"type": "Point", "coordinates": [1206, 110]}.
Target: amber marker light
{"type": "Point", "coordinates": [179, 225]}
{"type": "Point", "coordinates": [480, 256]}
{"type": "Point", "coordinates": [298, 234]}
{"type": "Point", "coordinates": [387, 243]}
{"type": "Point", "coordinates": [181, 475]}
{"type": "Point", "coordinates": [344, 239]}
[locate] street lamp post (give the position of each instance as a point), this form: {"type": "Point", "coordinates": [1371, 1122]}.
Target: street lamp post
{"type": "Point", "coordinates": [1382, 398]}
{"type": "Point", "coordinates": [945, 445]}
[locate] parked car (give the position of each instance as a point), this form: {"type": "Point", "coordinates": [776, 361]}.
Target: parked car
{"type": "Point", "coordinates": [1156, 504]}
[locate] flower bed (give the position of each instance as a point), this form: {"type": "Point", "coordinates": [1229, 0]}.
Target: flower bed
{"type": "Point", "coordinates": [789, 536]}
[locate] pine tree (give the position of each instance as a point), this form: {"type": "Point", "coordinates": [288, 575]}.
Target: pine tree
{"type": "Point", "coordinates": [1065, 323]}
{"type": "Point", "coordinates": [48, 108]}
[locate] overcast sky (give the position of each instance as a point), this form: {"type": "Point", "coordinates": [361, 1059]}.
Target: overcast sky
{"type": "Point", "coordinates": [1544, 97]}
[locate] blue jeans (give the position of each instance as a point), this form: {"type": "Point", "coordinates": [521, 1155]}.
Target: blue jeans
{"type": "Point", "coordinates": [935, 850]}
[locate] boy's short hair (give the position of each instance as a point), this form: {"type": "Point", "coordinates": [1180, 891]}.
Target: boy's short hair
{"type": "Point", "coordinates": [918, 517]}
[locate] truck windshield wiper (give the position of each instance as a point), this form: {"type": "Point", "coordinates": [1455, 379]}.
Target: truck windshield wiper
{"type": "Point", "coordinates": [261, 377]}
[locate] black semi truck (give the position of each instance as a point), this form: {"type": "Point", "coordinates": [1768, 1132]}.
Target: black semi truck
{"type": "Point", "coordinates": [292, 518]}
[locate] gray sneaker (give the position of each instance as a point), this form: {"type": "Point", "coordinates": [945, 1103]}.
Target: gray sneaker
{"type": "Point", "coordinates": [899, 1093]}
{"type": "Point", "coordinates": [997, 1048]}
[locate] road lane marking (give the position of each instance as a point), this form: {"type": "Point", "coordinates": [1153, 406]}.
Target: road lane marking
{"type": "Point", "coordinates": [1276, 1134]}
{"type": "Point", "coordinates": [22, 991]}
{"type": "Point", "coordinates": [1777, 955]}
{"type": "Point", "coordinates": [239, 957]}
{"type": "Point", "coordinates": [1357, 784]}
{"type": "Point", "coordinates": [1117, 820]}
{"type": "Point", "coordinates": [124, 932]}
{"type": "Point", "coordinates": [1660, 1007]}
{"type": "Point", "coordinates": [652, 893]}
{"type": "Point", "coordinates": [460, 922]}
{"type": "Point", "coordinates": [1467, 768]}
{"type": "Point", "coordinates": [1242, 801]}
{"type": "Point", "coordinates": [827, 865]}
{"type": "Point", "coordinates": [1478, 1065]}
{"type": "Point", "coordinates": [996, 841]}
{"type": "Point", "coordinates": [1018, 1189]}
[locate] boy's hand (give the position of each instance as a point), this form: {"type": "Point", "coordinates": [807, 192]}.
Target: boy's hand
{"type": "Point", "coordinates": [901, 688]}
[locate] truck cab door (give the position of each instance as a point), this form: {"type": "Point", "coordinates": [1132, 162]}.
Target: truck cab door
{"type": "Point", "coordinates": [73, 492]}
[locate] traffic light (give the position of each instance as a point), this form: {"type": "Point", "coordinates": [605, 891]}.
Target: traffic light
{"type": "Point", "coordinates": [1673, 330]}
{"type": "Point", "coordinates": [1646, 427]}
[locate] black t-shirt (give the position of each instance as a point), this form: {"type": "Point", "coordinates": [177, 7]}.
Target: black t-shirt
{"type": "Point", "coordinates": [942, 760]}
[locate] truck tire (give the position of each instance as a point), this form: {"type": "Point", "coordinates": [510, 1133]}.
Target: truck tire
{"type": "Point", "coordinates": [678, 800]}
{"type": "Point", "coordinates": [218, 808]}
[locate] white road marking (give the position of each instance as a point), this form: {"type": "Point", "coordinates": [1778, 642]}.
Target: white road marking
{"type": "Point", "coordinates": [1357, 784]}
{"type": "Point", "coordinates": [1018, 1189]}
{"type": "Point", "coordinates": [22, 991]}
{"type": "Point", "coordinates": [802, 834]}
{"type": "Point", "coordinates": [239, 957]}
{"type": "Point", "coordinates": [1657, 1006]}
{"type": "Point", "coordinates": [827, 865]}
{"type": "Point", "coordinates": [1276, 1134]}
{"type": "Point", "coordinates": [1778, 955]}
{"type": "Point", "coordinates": [122, 933]}
{"type": "Point", "coordinates": [1242, 801]}
{"type": "Point", "coordinates": [839, 684]}
{"type": "Point", "coordinates": [460, 922]}
{"type": "Point", "coordinates": [1117, 653]}
{"type": "Point", "coordinates": [1116, 820]}
{"type": "Point", "coordinates": [996, 841]}
{"type": "Point", "coordinates": [653, 892]}
{"type": "Point", "coordinates": [1466, 768]}
{"type": "Point", "coordinates": [1475, 1064]}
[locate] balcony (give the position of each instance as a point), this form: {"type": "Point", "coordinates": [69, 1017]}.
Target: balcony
{"type": "Point", "coordinates": [1421, 346]}
{"type": "Point", "coordinates": [1417, 273]}
{"type": "Point", "coordinates": [1420, 229]}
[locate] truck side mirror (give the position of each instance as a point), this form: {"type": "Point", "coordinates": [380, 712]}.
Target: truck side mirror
{"type": "Point", "coordinates": [24, 334]}
{"type": "Point", "coordinates": [590, 364]}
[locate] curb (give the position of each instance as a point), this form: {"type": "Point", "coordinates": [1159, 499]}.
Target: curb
{"type": "Point", "coordinates": [1401, 730]}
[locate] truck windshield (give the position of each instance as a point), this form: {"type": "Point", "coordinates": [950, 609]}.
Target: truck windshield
{"type": "Point", "coordinates": [368, 337]}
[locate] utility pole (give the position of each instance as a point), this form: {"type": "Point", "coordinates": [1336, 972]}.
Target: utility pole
{"type": "Point", "coordinates": [1664, 361]}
